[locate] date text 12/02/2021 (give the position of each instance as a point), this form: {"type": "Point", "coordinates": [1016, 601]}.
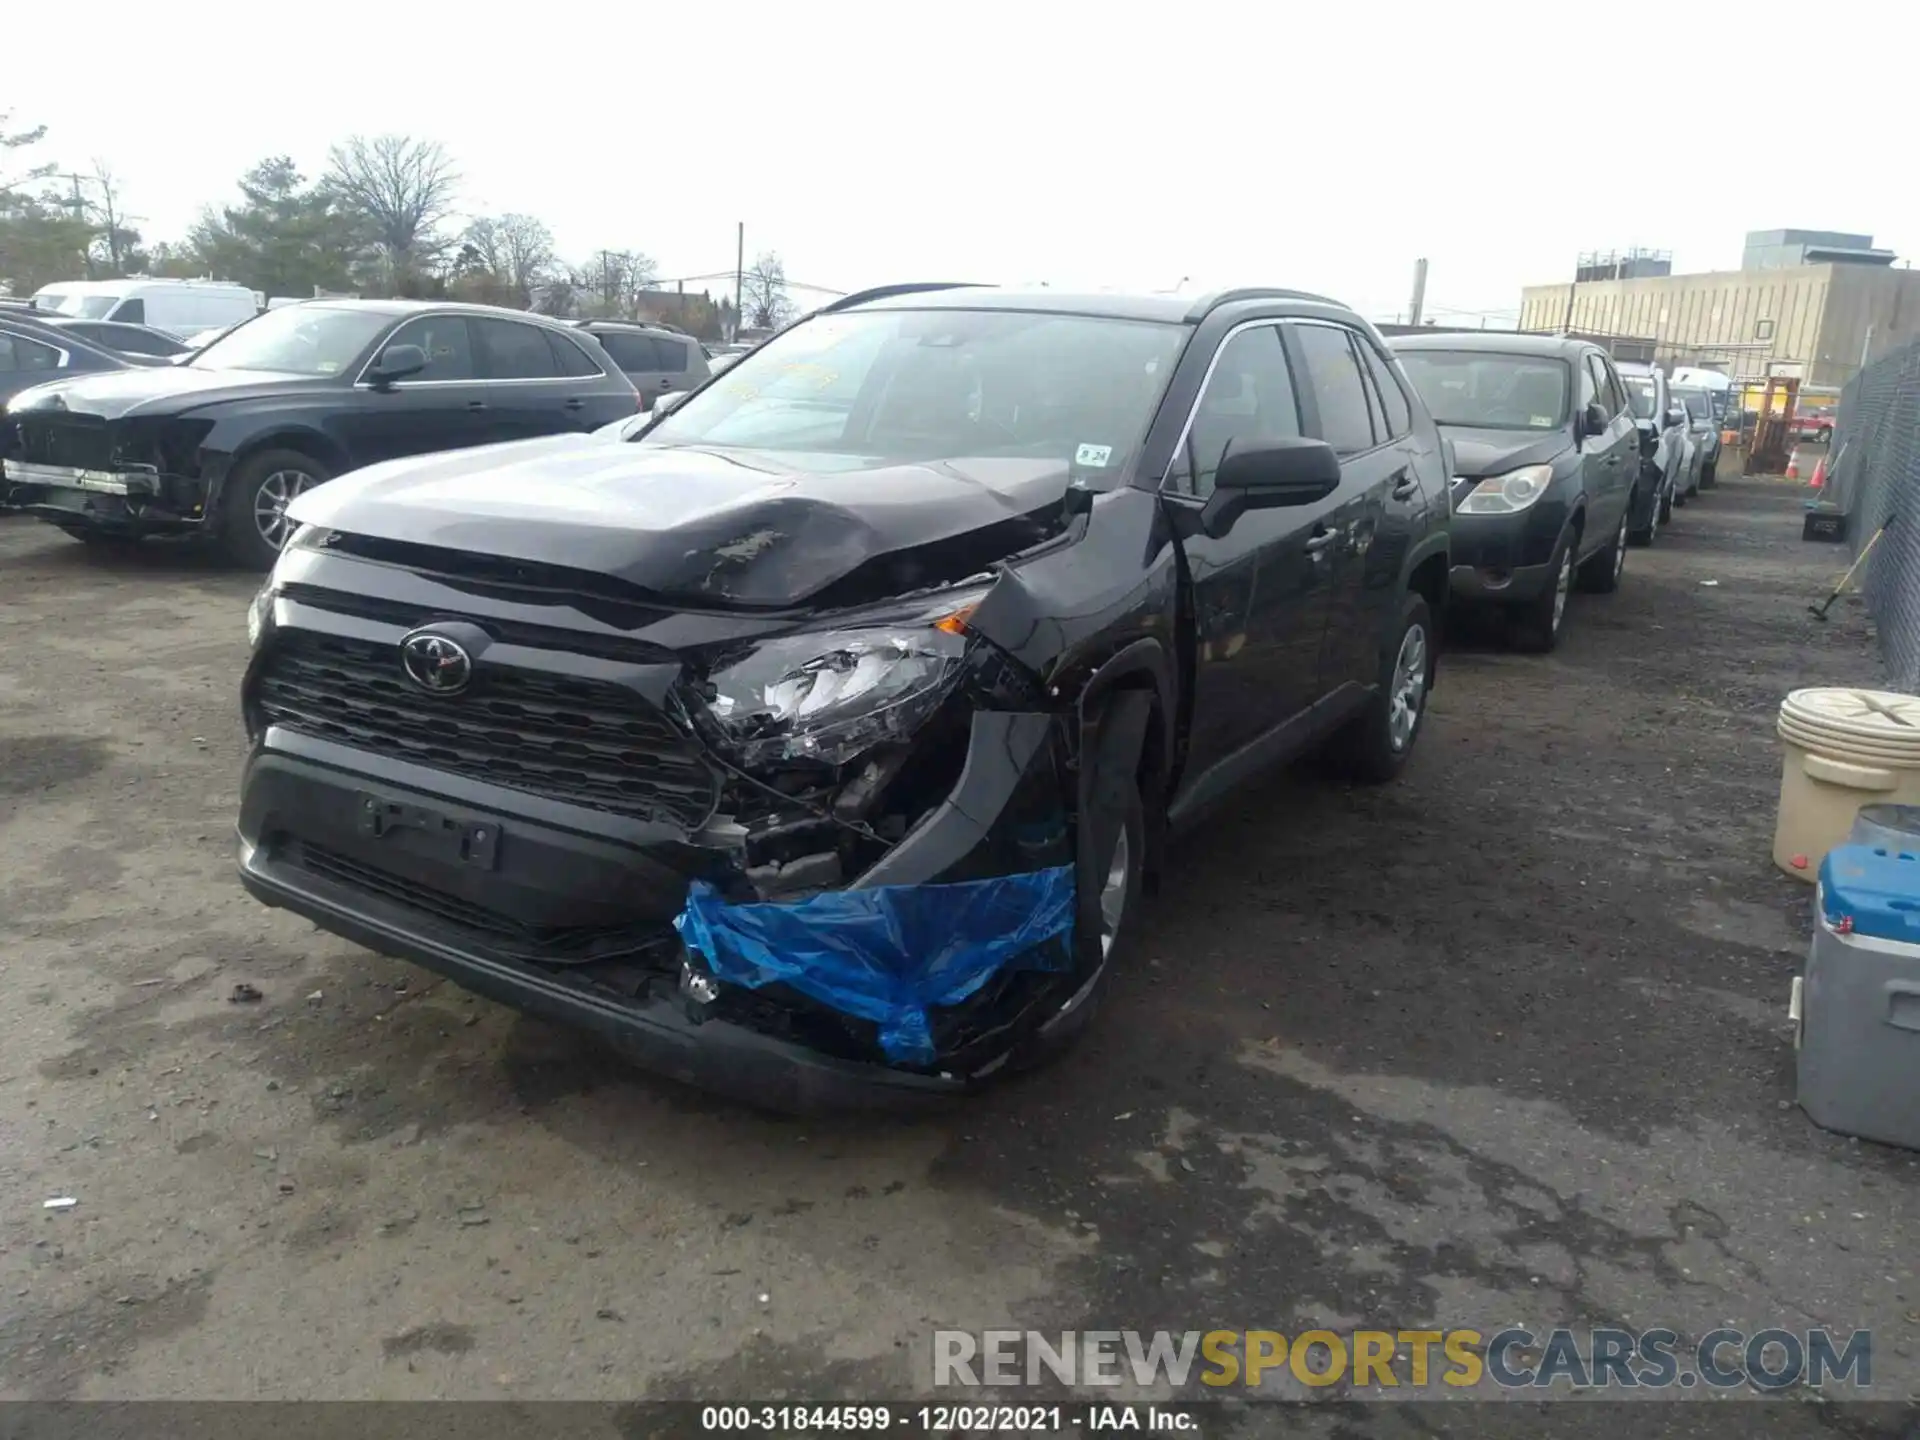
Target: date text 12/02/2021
{"type": "Point", "coordinates": [788, 1419]}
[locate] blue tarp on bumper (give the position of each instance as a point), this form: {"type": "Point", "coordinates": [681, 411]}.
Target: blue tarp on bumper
{"type": "Point", "coordinates": [887, 953]}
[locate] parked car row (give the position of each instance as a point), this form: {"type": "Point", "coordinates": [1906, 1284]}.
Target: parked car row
{"type": "Point", "coordinates": [1563, 458]}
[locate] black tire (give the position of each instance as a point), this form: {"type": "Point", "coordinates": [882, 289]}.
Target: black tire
{"type": "Point", "coordinates": [1600, 572]}
{"type": "Point", "coordinates": [1373, 747]}
{"type": "Point", "coordinates": [1098, 945]}
{"type": "Point", "coordinates": [1538, 623]}
{"type": "Point", "coordinates": [1667, 502]}
{"type": "Point", "coordinates": [1646, 535]}
{"type": "Point", "coordinates": [245, 535]}
{"type": "Point", "coordinates": [1708, 479]}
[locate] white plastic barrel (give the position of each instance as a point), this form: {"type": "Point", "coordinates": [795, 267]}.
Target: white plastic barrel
{"type": "Point", "coordinates": [1844, 749]}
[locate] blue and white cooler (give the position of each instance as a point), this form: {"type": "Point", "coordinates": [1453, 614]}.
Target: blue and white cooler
{"type": "Point", "coordinates": [1857, 1006]}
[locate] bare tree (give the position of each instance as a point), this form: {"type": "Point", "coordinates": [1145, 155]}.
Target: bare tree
{"type": "Point", "coordinates": [402, 190]}
{"type": "Point", "coordinates": [525, 251]}
{"type": "Point", "coordinates": [764, 302]}
{"type": "Point", "coordinates": [617, 279]}
{"type": "Point", "coordinates": [116, 241]}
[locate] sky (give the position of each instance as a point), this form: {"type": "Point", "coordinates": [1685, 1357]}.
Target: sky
{"type": "Point", "coordinates": [1152, 146]}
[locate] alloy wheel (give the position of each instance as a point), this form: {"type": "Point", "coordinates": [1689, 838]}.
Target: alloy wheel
{"type": "Point", "coordinates": [270, 502]}
{"type": "Point", "coordinates": [1409, 688]}
{"type": "Point", "coordinates": [1113, 894]}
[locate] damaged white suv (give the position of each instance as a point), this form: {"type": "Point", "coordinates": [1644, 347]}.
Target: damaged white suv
{"type": "Point", "coordinates": [812, 743]}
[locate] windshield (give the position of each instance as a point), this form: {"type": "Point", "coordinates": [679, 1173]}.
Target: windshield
{"type": "Point", "coordinates": [1490, 392]}
{"type": "Point", "coordinates": [72, 302]}
{"type": "Point", "coordinates": [905, 385]}
{"type": "Point", "coordinates": [297, 340]}
{"type": "Point", "coordinates": [1641, 396]}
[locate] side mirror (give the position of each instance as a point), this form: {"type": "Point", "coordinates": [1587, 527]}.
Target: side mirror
{"type": "Point", "coordinates": [1594, 420]}
{"type": "Point", "coordinates": [397, 362]}
{"type": "Point", "coordinates": [1268, 476]}
{"type": "Point", "coordinates": [1676, 416]}
{"type": "Point", "coordinates": [668, 402]}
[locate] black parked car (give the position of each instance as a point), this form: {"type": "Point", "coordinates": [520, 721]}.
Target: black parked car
{"type": "Point", "coordinates": [880, 676]}
{"type": "Point", "coordinates": [1546, 464]}
{"type": "Point", "coordinates": [32, 353]}
{"type": "Point", "coordinates": [1662, 423]}
{"type": "Point", "coordinates": [219, 445]}
{"type": "Point", "coordinates": [121, 336]}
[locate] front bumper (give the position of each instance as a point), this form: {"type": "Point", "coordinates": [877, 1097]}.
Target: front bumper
{"type": "Point", "coordinates": [127, 501]}
{"type": "Point", "coordinates": [1506, 558]}
{"type": "Point", "coordinates": [566, 912]}
{"type": "Point", "coordinates": [652, 1028]}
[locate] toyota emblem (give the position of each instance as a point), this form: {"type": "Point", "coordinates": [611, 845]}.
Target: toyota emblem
{"type": "Point", "coordinates": [433, 662]}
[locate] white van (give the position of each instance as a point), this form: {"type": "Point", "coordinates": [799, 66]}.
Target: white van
{"type": "Point", "coordinates": [179, 307]}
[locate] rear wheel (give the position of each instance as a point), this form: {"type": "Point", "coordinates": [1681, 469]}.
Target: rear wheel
{"type": "Point", "coordinates": [1373, 746]}
{"type": "Point", "coordinates": [253, 507]}
{"type": "Point", "coordinates": [1601, 572]}
{"type": "Point", "coordinates": [1539, 621]}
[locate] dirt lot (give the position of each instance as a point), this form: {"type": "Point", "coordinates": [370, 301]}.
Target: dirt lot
{"type": "Point", "coordinates": [1505, 1042]}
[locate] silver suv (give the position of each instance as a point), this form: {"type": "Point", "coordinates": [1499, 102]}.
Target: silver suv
{"type": "Point", "coordinates": [658, 360]}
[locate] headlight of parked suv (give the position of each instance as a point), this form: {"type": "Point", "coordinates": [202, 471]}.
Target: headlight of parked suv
{"type": "Point", "coordinates": [1508, 493]}
{"type": "Point", "coordinates": [260, 614]}
{"type": "Point", "coordinates": [829, 696]}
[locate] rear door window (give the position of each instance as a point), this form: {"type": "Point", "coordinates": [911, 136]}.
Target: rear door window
{"type": "Point", "coordinates": [673, 354]}
{"type": "Point", "coordinates": [1399, 415]}
{"type": "Point", "coordinates": [132, 312]}
{"type": "Point", "coordinates": [448, 347]}
{"type": "Point", "coordinates": [631, 351]}
{"type": "Point", "coordinates": [515, 352]}
{"type": "Point", "coordinates": [571, 359]}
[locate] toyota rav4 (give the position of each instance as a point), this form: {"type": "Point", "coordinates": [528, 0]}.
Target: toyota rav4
{"type": "Point", "coordinates": [816, 742]}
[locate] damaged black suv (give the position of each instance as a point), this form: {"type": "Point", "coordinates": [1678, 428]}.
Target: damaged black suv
{"type": "Point", "coordinates": [815, 743]}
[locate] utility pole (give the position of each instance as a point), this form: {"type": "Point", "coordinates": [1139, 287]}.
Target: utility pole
{"type": "Point", "coordinates": [78, 204]}
{"type": "Point", "coordinates": [739, 277]}
{"type": "Point", "coordinates": [1419, 292]}
{"type": "Point", "coordinates": [1566, 326]}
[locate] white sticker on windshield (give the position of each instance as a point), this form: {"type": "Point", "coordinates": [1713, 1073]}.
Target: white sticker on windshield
{"type": "Point", "coordinates": [1095, 456]}
{"type": "Point", "coordinates": [1540, 422]}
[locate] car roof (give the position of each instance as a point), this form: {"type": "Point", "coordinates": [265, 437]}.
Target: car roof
{"type": "Point", "coordinates": [1493, 342]}
{"type": "Point", "coordinates": [423, 307]}
{"type": "Point", "coordinates": [1104, 304]}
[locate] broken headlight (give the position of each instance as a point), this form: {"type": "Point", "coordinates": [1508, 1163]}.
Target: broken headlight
{"type": "Point", "coordinates": [828, 696]}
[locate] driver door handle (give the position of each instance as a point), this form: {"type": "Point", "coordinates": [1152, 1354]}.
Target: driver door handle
{"type": "Point", "coordinates": [1406, 487]}
{"type": "Point", "coordinates": [1318, 542]}
{"type": "Point", "coordinates": [476, 405]}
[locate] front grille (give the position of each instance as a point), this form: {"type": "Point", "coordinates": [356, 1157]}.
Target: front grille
{"type": "Point", "coordinates": [551, 944]}
{"type": "Point", "coordinates": [81, 442]}
{"type": "Point", "coordinates": [586, 742]}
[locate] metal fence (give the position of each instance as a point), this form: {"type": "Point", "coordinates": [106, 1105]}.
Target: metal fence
{"type": "Point", "coordinates": [1875, 465]}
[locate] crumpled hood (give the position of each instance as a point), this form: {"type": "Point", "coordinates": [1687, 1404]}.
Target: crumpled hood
{"type": "Point", "coordinates": [1494, 452]}
{"type": "Point", "coordinates": [152, 390]}
{"type": "Point", "coordinates": [720, 526]}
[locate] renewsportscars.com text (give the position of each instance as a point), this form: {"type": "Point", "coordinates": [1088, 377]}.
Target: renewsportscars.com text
{"type": "Point", "coordinates": [1513, 1358]}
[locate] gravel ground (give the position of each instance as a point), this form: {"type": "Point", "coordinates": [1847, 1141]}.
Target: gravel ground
{"type": "Point", "coordinates": [1505, 1041]}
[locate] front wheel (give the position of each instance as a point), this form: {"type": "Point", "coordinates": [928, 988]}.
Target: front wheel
{"type": "Point", "coordinates": [1708, 479]}
{"type": "Point", "coordinates": [1539, 621]}
{"type": "Point", "coordinates": [1667, 502]}
{"type": "Point", "coordinates": [1107, 898]}
{"type": "Point", "coordinates": [1601, 572]}
{"type": "Point", "coordinates": [1373, 746]}
{"type": "Point", "coordinates": [254, 525]}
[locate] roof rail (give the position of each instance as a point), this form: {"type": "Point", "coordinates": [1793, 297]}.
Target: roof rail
{"type": "Point", "coordinates": [1212, 300]}
{"type": "Point", "coordinates": [887, 292]}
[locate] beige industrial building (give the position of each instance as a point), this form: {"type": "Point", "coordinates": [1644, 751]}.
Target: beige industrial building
{"type": "Point", "coordinates": [1811, 304]}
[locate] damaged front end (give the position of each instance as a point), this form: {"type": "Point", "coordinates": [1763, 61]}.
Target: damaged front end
{"type": "Point", "coordinates": [899, 795]}
{"type": "Point", "coordinates": [816, 853]}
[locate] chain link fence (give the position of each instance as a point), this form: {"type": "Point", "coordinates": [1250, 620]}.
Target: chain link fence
{"type": "Point", "coordinates": [1875, 477]}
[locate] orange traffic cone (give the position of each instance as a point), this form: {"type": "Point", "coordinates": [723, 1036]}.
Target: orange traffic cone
{"type": "Point", "coordinates": [1793, 465]}
{"type": "Point", "coordinates": [1820, 473]}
